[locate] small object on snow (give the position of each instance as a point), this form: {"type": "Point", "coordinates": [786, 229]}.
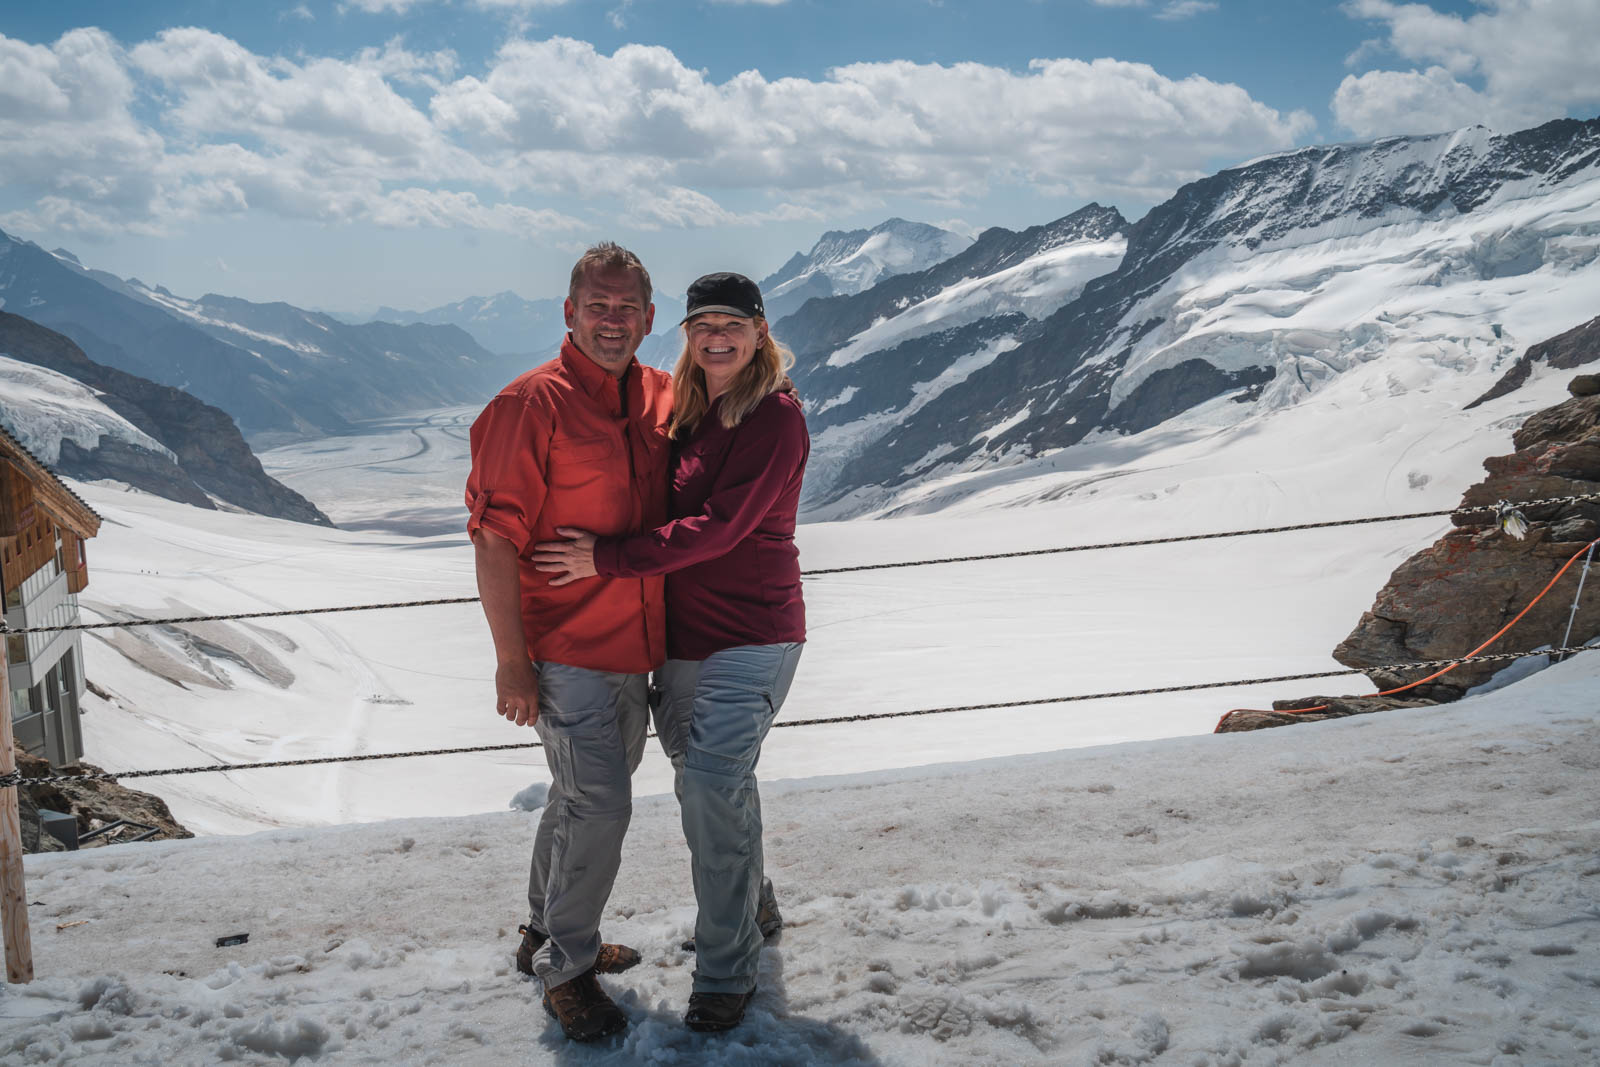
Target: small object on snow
{"type": "Point", "coordinates": [70, 925]}
{"type": "Point", "coordinates": [531, 798]}
{"type": "Point", "coordinates": [232, 939]}
{"type": "Point", "coordinates": [1511, 520]}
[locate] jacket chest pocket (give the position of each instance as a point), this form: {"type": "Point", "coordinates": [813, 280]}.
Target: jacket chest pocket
{"type": "Point", "coordinates": [581, 462]}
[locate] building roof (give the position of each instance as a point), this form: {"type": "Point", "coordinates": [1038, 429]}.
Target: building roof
{"type": "Point", "coordinates": [68, 508]}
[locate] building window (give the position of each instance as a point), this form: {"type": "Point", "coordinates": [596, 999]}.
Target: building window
{"type": "Point", "coordinates": [16, 648]}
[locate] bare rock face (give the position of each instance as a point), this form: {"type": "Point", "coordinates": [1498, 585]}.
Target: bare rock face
{"type": "Point", "coordinates": [1566, 351]}
{"type": "Point", "coordinates": [93, 803]}
{"type": "Point", "coordinates": [1451, 597]}
{"type": "Point", "coordinates": [1291, 712]}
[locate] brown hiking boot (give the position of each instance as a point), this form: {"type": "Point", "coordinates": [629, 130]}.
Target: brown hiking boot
{"type": "Point", "coordinates": [713, 1012]}
{"type": "Point", "coordinates": [612, 959]}
{"type": "Point", "coordinates": [769, 920]}
{"type": "Point", "coordinates": [583, 1009]}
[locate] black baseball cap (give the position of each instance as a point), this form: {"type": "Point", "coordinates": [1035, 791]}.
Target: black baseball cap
{"type": "Point", "coordinates": [726, 294]}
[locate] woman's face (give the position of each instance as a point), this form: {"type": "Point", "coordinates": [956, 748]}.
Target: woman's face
{"type": "Point", "coordinates": [722, 346]}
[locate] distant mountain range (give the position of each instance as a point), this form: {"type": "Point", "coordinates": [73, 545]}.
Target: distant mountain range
{"type": "Point", "coordinates": [504, 323]}
{"type": "Point", "coordinates": [280, 371]}
{"type": "Point", "coordinates": [843, 262]}
{"type": "Point", "coordinates": [1244, 293]}
{"type": "Point", "coordinates": [92, 422]}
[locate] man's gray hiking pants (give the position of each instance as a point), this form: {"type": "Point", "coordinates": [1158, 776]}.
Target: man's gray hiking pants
{"type": "Point", "coordinates": [712, 717]}
{"type": "Point", "coordinates": [593, 725]}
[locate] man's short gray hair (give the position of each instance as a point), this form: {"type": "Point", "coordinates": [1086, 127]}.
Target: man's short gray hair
{"type": "Point", "coordinates": [608, 255]}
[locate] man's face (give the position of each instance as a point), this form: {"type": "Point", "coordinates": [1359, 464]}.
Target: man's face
{"type": "Point", "coordinates": [610, 318]}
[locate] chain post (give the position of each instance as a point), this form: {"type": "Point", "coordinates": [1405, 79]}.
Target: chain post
{"type": "Point", "coordinates": [1572, 616]}
{"type": "Point", "coordinates": [13, 888]}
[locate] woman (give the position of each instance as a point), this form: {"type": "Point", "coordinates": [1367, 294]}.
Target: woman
{"type": "Point", "coordinates": [735, 617]}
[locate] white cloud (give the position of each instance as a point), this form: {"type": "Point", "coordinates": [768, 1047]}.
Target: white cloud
{"type": "Point", "coordinates": [401, 137]}
{"type": "Point", "coordinates": [401, 7]}
{"type": "Point", "coordinates": [299, 11]}
{"type": "Point", "coordinates": [413, 207]}
{"type": "Point", "coordinates": [1184, 9]}
{"type": "Point", "coordinates": [67, 135]}
{"type": "Point", "coordinates": [1393, 101]}
{"type": "Point", "coordinates": [378, 7]}
{"type": "Point", "coordinates": [940, 132]}
{"type": "Point", "coordinates": [1510, 65]}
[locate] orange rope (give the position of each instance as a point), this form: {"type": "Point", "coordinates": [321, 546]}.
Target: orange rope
{"type": "Point", "coordinates": [1446, 670]}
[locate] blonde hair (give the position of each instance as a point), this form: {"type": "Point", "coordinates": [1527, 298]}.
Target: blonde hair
{"type": "Point", "coordinates": [766, 373]}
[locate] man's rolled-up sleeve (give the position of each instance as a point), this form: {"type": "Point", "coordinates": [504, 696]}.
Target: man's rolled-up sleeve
{"type": "Point", "coordinates": [506, 486]}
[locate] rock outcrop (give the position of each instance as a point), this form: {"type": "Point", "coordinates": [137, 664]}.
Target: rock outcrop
{"type": "Point", "coordinates": [1290, 713]}
{"type": "Point", "coordinates": [1449, 598]}
{"type": "Point", "coordinates": [1568, 351]}
{"type": "Point", "coordinates": [93, 803]}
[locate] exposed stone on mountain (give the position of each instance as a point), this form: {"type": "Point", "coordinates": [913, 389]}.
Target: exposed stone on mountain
{"type": "Point", "coordinates": [1449, 598]}
{"type": "Point", "coordinates": [1174, 390]}
{"type": "Point", "coordinates": [212, 456]}
{"type": "Point", "coordinates": [123, 462]}
{"type": "Point", "coordinates": [1585, 385]}
{"type": "Point", "coordinates": [1567, 351]}
{"type": "Point", "coordinates": [1287, 713]}
{"type": "Point", "coordinates": [93, 803]}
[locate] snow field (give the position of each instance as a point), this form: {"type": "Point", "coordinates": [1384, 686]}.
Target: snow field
{"type": "Point", "coordinates": [1410, 887]}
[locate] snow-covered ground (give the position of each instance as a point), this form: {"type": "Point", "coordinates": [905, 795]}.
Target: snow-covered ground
{"type": "Point", "coordinates": [1099, 882]}
{"type": "Point", "coordinates": [1416, 887]}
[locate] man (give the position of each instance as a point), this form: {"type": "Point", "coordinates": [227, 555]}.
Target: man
{"type": "Point", "coordinates": [579, 441]}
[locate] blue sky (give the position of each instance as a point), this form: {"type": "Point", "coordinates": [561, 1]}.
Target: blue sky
{"type": "Point", "coordinates": [412, 152]}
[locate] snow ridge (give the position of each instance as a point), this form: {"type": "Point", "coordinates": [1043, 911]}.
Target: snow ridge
{"type": "Point", "coordinates": [43, 407]}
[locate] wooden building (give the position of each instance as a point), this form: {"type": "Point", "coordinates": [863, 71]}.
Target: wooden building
{"type": "Point", "coordinates": [43, 566]}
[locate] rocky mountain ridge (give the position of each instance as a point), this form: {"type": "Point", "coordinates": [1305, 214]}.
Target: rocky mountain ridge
{"type": "Point", "coordinates": [280, 371]}
{"type": "Point", "coordinates": [843, 262]}
{"type": "Point", "coordinates": [868, 362]}
{"type": "Point", "coordinates": [1246, 292]}
{"type": "Point", "coordinates": [207, 454]}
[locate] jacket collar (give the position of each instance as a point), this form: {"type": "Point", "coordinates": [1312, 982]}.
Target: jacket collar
{"type": "Point", "coordinates": [589, 374]}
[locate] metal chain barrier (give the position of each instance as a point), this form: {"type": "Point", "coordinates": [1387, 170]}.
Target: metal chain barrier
{"type": "Point", "coordinates": [4, 629]}
{"type": "Point", "coordinates": [17, 777]}
{"type": "Point", "coordinates": [1587, 498]}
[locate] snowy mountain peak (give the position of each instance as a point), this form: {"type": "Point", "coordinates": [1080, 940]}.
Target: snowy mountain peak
{"type": "Point", "coordinates": [850, 261]}
{"type": "Point", "coordinates": [1399, 265]}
